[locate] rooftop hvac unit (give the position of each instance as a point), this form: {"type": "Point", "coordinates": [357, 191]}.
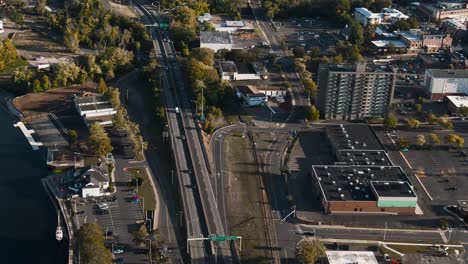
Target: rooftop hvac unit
{"type": "Point", "coordinates": [351, 183]}
{"type": "Point", "coordinates": [410, 192]}
{"type": "Point", "coordinates": [325, 167]}
{"type": "Point", "coordinates": [368, 169]}
{"type": "Point", "coordinates": [363, 153]}
{"type": "Point", "coordinates": [382, 167]}
{"type": "Point", "coordinates": [357, 181]}
{"type": "Point", "coordinates": [350, 160]}
{"type": "Point", "coordinates": [382, 159]}
{"type": "Point", "coordinates": [341, 125]}
{"type": "Point", "coordinates": [364, 144]}
{"type": "Point", "coordinates": [386, 183]}
{"type": "Point", "coordinates": [349, 141]}
{"type": "Point", "coordinates": [373, 163]}
{"type": "Point", "coordinates": [319, 179]}
{"type": "Point", "coordinates": [367, 196]}
{"type": "Point", "coordinates": [378, 152]}
{"type": "Point", "coordinates": [342, 196]}
{"type": "Point", "coordinates": [367, 162]}
{"type": "Point", "coordinates": [400, 182]}
{"type": "Point", "coordinates": [339, 189]}
{"type": "Point", "coordinates": [354, 170]}
{"type": "Point", "coordinates": [334, 182]}
{"type": "Point", "coordinates": [372, 175]}
{"type": "Point", "coordinates": [328, 174]}
{"type": "Point", "coordinates": [352, 147]}
{"type": "Point", "coordinates": [346, 135]}
{"type": "Point", "coordinates": [356, 142]}
{"type": "Point", "coordinates": [357, 188]}
{"type": "Point", "coordinates": [348, 154]}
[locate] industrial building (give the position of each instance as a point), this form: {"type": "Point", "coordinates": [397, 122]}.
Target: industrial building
{"type": "Point", "coordinates": [232, 71]}
{"type": "Point", "coordinates": [443, 82]}
{"type": "Point", "coordinates": [215, 40]}
{"type": "Point", "coordinates": [363, 179]}
{"type": "Point", "coordinates": [348, 257]}
{"type": "Point", "coordinates": [250, 95]}
{"type": "Point", "coordinates": [354, 91]}
{"type": "Point", "coordinates": [95, 109]}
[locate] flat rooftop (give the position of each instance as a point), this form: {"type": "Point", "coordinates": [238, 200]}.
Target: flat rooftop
{"type": "Point", "coordinates": [364, 157]}
{"type": "Point", "coordinates": [90, 100]}
{"type": "Point", "coordinates": [356, 183]}
{"type": "Point", "coordinates": [393, 189]}
{"type": "Point", "coordinates": [386, 43]}
{"type": "Point", "coordinates": [228, 66]}
{"type": "Point", "coordinates": [90, 107]}
{"type": "Point", "coordinates": [353, 137]}
{"type": "Point", "coordinates": [448, 73]}
{"type": "Point", "coordinates": [458, 101]}
{"type": "Point", "coordinates": [348, 257]}
{"type": "Point", "coordinates": [215, 37]}
{"type": "Point", "coordinates": [244, 67]}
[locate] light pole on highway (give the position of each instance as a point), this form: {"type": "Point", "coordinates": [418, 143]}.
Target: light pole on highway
{"type": "Point", "coordinates": [196, 107]}
{"type": "Point", "coordinates": [159, 6]}
{"type": "Point", "coordinates": [385, 231]}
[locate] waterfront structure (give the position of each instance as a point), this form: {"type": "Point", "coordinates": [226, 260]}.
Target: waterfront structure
{"type": "Point", "coordinates": [354, 91]}
{"type": "Point", "coordinates": [91, 181]}
{"type": "Point", "coordinates": [443, 82]}
{"type": "Point", "coordinates": [95, 109]}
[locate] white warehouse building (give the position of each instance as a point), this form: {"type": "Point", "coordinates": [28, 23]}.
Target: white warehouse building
{"type": "Point", "coordinates": [215, 40]}
{"type": "Point", "coordinates": [443, 82]}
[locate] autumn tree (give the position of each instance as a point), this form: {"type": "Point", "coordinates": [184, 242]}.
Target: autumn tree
{"type": "Point", "coordinates": [98, 142]}
{"type": "Point", "coordinates": [390, 121]}
{"type": "Point", "coordinates": [420, 139]}
{"type": "Point", "coordinates": [309, 251]}
{"type": "Point", "coordinates": [102, 87]}
{"type": "Point", "coordinates": [312, 113]}
{"type": "Point", "coordinates": [412, 123]}
{"type": "Point", "coordinates": [432, 119]}
{"type": "Point", "coordinates": [455, 140]}
{"type": "Point", "coordinates": [91, 241]}
{"type": "Point", "coordinates": [114, 97]}
{"type": "Point", "coordinates": [403, 142]}
{"type": "Point", "coordinates": [140, 235]}
{"type": "Point", "coordinates": [434, 139]}
{"type": "Point", "coordinates": [444, 122]}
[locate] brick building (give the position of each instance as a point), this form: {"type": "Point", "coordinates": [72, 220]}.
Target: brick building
{"type": "Point", "coordinates": [363, 180]}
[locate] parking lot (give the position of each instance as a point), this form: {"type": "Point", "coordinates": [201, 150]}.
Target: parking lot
{"type": "Point", "coordinates": [122, 218]}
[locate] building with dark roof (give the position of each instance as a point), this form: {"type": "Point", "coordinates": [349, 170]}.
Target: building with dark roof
{"type": "Point", "coordinates": [363, 179]}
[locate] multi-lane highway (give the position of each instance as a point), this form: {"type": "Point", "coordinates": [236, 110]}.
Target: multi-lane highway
{"type": "Point", "coordinates": [200, 209]}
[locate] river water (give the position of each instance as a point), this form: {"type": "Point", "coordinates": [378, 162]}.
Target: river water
{"type": "Point", "coordinates": [27, 217]}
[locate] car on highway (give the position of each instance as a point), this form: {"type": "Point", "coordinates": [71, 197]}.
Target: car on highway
{"type": "Point", "coordinates": [177, 110]}
{"type": "Point", "coordinates": [118, 250]}
{"type": "Point", "coordinates": [308, 233]}
{"type": "Point", "coordinates": [404, 150]}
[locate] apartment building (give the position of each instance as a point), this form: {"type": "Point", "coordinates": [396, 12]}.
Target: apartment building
{"type": "Point", "coordinates": [354, 91]}
{"type": "Point", "coordinates": [444, 10]}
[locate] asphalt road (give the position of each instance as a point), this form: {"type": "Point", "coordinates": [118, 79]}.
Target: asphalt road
{"type": "Point", "coordinates": [201, 213]}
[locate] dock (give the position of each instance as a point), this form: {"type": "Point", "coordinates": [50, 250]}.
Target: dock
{"type": "Point", "coordinates": [28, 134]}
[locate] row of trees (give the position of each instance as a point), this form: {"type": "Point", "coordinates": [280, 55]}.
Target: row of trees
{"type": "Point", "coordinates": [210, 92]}
{"type": "Point", "coordinates": [432, 140]}
{"type": "Point", "coordinates": [109, 63]}
{"type": "Point", "coordinates": [91, 245]}
{"type": "Point", "coordinates": [391, 122]}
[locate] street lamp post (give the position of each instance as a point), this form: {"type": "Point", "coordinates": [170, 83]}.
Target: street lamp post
{"type": "Point", "coordinates": [196, 106]}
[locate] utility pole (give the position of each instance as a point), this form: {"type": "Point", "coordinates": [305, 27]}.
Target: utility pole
{"type": "Point", "coordinates": [202, 103]}
{"type": "Point", "coordinates": [385, 231]}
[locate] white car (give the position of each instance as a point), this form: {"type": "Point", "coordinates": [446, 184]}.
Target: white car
{"type": "Point", "coordinates": [177, 110]}
{"type": "Point", "coordinates": [103, 206]}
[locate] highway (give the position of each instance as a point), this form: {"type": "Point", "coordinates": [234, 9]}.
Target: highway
{"type": "Point", "coordinates": [200, 209]}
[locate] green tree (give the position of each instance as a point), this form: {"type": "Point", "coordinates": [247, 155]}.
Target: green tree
{"type": "Point", "coordinates": [114, 97]}
{"type": "Point", "coordinates": [312, 113]}
{"type": "Point", "coordinates": [434, 139]}
{"type": "Point", "coordinates": [90, 239]}
{"type": "Point", "coordinates": [140, 235]}
{"type": "Point", "coordinates": [309, 251]}
{"type": "Point", "coordinates": [463, 110]}
{"type": "Point", "coordinates": [403, 142]}
{"type": "Point", "coordinates": [391, 48]}
{"type": "Point", "coordinates": [119, 119]}
{"type": "Point", "coordinates": [98, 142]}
{"type": "Point", "coordinates": [443, 224]}
{"type": "Point", "coordinates": [418, 108]}
{"type": "Point", "coordinates": [299, 52]}
{"type": "Point", "coordinates": [355, 55]}
{"type": "Point", "coordinates": [357, 34]}
{"type": "Point", "coordinates": [412, 123]}
{"type": "Point", "coordinates": [102, 87]}
{"type": "Point", "coordinates": [36, 86]}
{"type": "Point", "coordinates": [390, 121]}
{"type": "Point", "coordinates": [310, 87]}
{"type": "Point", "coordinates": [45, 83]}
{"type": "Point", "coordinates": [204, 55]}
{"type": "Point", "coordinates": [71, 39]}
{"type": "Point", "coordinates": [72, 136]}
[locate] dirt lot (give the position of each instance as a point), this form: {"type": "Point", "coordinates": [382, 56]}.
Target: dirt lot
{"type": "Point", "coordinates": [37, 104]}
{"type": "Point", "coordinates": [245, 220]}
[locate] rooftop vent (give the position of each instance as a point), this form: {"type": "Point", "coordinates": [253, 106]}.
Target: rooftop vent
{"type": "Point", "coordinates": [334, 182]}
{"type": "Point", "coordinates": [382, 167]}
{"type": "Point", "coordinates": [339, 189]}
{"type": "Point", "coordinates": [357, 188]}
{"type": "Point", "coordinates": [364, 144]}
{"type": "Point", "coordinates": [386, 183]}
{"type": "Point", "coordinates": [342, 196]}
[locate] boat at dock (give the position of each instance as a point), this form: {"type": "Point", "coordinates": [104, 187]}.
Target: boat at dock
{"type": "Point", "coordinates": [58, 232]}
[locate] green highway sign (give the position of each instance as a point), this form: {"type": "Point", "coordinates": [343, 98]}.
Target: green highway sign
{"type": "Point", "coordinates": [162, 25]}
{"type": "Point", "coordinates": [222, 238]}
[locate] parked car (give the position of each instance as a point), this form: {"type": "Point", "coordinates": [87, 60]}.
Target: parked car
{"type": "Point", "coordinates": [103, 206]}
